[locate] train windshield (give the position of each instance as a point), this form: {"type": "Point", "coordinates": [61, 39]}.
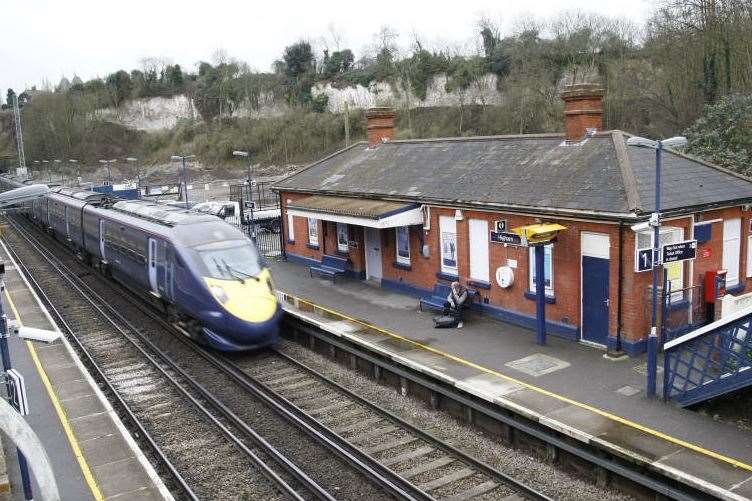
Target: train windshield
{"type": "Point", "coordinates": [233, 259]}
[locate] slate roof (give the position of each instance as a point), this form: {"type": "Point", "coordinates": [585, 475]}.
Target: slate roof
{"type": "Point", "coordinates": [600, 176]}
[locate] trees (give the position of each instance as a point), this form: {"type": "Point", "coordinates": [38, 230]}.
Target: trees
{"type": "Point", "coordinates": [119, 86]}
{"type": "Point", "coordinates": [723, 134]}
{"type": "Point", "coordinates": [299, 69]}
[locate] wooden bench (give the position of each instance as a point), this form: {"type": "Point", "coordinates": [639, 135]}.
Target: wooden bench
{"type": "Point", "coordinates": [439, 296]}
{"type": "Point", "coordinates": [330, 267]}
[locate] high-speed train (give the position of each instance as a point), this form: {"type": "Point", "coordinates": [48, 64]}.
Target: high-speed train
{"type": "Point", "coordinates": [203, 272]}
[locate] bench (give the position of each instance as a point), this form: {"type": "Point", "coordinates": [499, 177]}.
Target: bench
{"type": "Point", "coordinates": [330, 267]}
{"type": "Point", "coordinates": [439, 296]}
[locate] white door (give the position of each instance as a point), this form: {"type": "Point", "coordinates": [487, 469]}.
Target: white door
{"type": "Point", "coordinates": [153, 267]}
{"type": "Point", "coordinates": [373, 254]}
{"type": "Point", "coordinates": [101, 239]}
{"type": "Point", "coordinates": [732, 229]}
{"type": "Point", "coordinates": [479, 250]}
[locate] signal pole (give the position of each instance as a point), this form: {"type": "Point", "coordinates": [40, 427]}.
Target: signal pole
{"type": "Point", "coordinates": [21, 170]}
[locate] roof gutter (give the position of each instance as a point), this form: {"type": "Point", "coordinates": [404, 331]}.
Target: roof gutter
{"type": "Point", "coordinates": [464, 204]}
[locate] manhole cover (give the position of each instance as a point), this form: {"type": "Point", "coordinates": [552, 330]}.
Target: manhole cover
{"type": "Point", "coordinates": [537, 364]}
{"type": "Point", "coordinates": [628, 391]}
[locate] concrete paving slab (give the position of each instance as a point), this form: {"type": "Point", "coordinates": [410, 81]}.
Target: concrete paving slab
{"type": "Point", "coordinates": [83, 406]}
{"type": "Point", "coordinates": [93, 426]}
{"type": "Point", "coordinates": [709, 469]}
{"type": "Point", "coordinates": [743, 489]}
{"type": "Point", "coordinates": [488, 386]}
{"type": "Point", "coordinates": [105, 449]}
{"type": "Point", "coordinates": [583, 423]}
{"type": "Point", "coordinates": [534, 404]}
{"type": "Point", "coordinates": [538, 364]}
{"type": "Point", "coordinates": [634, 444]}
{"type": "Point", "coordinates": [121, 477]}
{"type": "Point", "coordinates": [74, 389]}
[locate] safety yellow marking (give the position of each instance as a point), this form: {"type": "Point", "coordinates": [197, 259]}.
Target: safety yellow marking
{"type": "Point", "coordinates": [82, 463]}
{"type": "Point", "coordinates": [606, 414]}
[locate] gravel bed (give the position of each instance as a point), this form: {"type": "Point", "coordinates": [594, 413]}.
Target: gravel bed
{"type": "Point", "coordinates": [543, 476]}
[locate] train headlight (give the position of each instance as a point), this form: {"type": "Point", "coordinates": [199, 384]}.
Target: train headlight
{"type": "Point", "coordinates": [219, 293]}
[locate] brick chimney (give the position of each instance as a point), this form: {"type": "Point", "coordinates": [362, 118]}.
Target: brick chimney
{"type": "Point", "coordinates": [583, 109]}
{"type": "Point", "coordinates": [380, 125]}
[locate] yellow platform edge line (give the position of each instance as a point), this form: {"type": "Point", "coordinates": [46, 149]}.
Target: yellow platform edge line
{"type": "Point", "coordinates": [62, 416]}
{"type": "Point", "coordinates": [538, 389]}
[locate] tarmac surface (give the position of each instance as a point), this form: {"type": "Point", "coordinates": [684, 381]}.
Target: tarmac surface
{"type": "Point", "coordinates": [566, 385]}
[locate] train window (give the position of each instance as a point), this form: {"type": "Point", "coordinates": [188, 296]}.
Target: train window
{"type": "Point", "coordinates": [230, 260]}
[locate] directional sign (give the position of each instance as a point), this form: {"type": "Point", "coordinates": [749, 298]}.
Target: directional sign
{"type": "Point", "coordinates": [644, 260]}
{"type": "Point", "coordinates": [680, 251]}
{"type": "Point", "coordinates": [503, 237]}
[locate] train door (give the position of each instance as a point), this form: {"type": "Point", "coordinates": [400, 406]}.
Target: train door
{"type": "Point", "coordinates": [101, 240]}
{"type": "Point", "coordinates": [153, 266]}
{"type": "Point", "coordinates": [67, 223]}
{"type": "Point", "coordinates": [165, 269]}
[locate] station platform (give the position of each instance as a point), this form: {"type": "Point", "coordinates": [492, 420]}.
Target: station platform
{"type": "Point", "coordinates": [93, 455]}
{"type": "Point", "coordinates": [567, 386]}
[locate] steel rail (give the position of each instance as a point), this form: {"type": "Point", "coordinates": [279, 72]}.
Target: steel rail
{"type": "Point", "coordinates": [89, 359]}
{"type": "Point", "coordinates": [664, 486]}
{"type": "Point", "coordinates": [97, 302]}
{"type": "Point", "coordinates": [374, 470]}
{"type": "Point", "coordinates": [524, 489]}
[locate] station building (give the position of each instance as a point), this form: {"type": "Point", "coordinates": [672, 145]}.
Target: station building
{"type": "Point", "coordinates": [408, 214]}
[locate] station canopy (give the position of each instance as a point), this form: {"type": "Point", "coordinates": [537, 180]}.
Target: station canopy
{"type": "Point", "coordinates": [357, 211]}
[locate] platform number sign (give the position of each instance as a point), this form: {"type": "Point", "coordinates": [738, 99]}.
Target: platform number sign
{"type": "Point", "coordinates": [17, 392]}
{"type": "Point", "coordinates": [644, 260]}
{"type": "Point", "coordinates": [500, 226]}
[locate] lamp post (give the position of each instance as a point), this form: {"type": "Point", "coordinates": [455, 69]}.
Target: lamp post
{"type": "Point", "coordinates": [78, 170]}
{"type": "Point", "coordinates": [108, 163]}
{"type": "Point", "coordinates": [48, 168]}
{"type": "Point", "coordinates": [655, 222]}
{"type": "Point", "coordinates": [249, 182]}
{"type": "Point", "coordinates": [183, 158]}
{"type": "Point", "coordinates": [138, 171]}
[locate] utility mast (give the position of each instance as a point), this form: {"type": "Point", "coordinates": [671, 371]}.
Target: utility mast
{"type": "Point", "coordinates": [21, 170]}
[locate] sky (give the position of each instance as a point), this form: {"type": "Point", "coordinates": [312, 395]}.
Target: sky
{"type": "Point", "coordinates": [48, 39]}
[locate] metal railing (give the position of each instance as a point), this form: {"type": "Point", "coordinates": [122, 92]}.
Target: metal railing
{"type": "Point", "coordinates": [709, 361]}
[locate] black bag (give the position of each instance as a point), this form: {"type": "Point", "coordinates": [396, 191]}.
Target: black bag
{"type": "Point", "coordinates": [444, 322]}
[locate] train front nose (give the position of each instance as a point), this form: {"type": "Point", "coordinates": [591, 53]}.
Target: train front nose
{"type": "Point", "coordinates": [250, 312]}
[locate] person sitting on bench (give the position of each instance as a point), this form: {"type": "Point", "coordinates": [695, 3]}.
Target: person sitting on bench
{"type": "Point", "coordinates": [455, 303]}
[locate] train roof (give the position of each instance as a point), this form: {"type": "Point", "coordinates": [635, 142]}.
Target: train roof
{"type": "Point", "coordinates": [160, 213]}
{"type": "Point", "coordinates": [80, 194]}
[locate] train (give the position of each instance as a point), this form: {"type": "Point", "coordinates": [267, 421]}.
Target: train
{"type": "Point", "coordinates": [203, 273]}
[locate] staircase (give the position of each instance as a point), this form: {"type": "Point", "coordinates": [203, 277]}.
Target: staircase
{"type": "Point", "coordinates": [710, 361]}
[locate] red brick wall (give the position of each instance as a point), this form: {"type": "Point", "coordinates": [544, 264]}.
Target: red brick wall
{"type": "Point", "coordinates": [300, 230]}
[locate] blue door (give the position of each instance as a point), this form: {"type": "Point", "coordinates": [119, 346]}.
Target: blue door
{"type": "Point", "coordinates": [595, 299]}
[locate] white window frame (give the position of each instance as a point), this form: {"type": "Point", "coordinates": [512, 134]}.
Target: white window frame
{"type": "Point", "coordinates": [343, 247]}
{"type": "Point", "coordinates": [290, 227]}
{"type": "Point", "coordinates": [668, 235]}
{"type": "Point", "coordinates": [446, 240]}
{"type": "Point", "coordinates": [313, 231]}
{"type": "Point", "coordinates": [549, 249]}
{"type": "Point", "coordinates": [400, 258]}
{"type": "Point", "coordinates": [729, 260]}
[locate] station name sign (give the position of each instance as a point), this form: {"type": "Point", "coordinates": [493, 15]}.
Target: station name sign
{"type": "Point", "coordinates": [505, 237]}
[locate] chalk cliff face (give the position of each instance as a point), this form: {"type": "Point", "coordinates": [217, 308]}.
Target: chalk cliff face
{"type": "Point", "coordinates": [158, 113]}
{"type": "Point", "coordinates": [153, 113]}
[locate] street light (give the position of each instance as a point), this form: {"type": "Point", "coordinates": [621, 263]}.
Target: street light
{"type": "Point", "coordinates": [138, 171]}
{"type": "Point", "coordinates": [108, 163]}
{"type": "Point", "coordinates": [183, 158]}
{"type": "Point", "coordinates": [249, 182]}
{"type": "Point", "coordinates": [78, 171]}
{"type": "Point", "coordinates": [655, 222]}
{"type": "Point", "coordinates": [57, 161]}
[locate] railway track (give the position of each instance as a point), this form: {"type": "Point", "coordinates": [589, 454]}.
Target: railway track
{"type": "Point", "coordinates": [403, 460]}
{"type": "Point", "coordinates": [207, 450]}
